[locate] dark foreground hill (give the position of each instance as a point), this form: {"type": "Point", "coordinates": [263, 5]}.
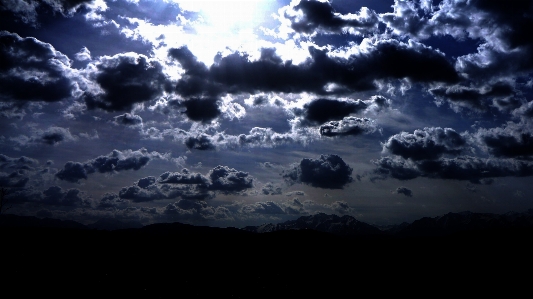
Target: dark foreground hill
{"type": "Point", "coordinates": [320, 255]}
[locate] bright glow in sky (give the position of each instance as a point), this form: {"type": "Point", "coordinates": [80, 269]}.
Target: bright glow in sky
{"type": "Point", "coordinates": [99, 102]}
{"type": "Point", "coordinates": [227, 15]}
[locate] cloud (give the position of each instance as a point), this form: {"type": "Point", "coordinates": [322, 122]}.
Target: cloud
{"type": "Point", "coordinates": [200, 142]}
{"type": "Point", "coordinates": [429, 143]}
{"type": "Point", "coordinates": [309, 16]}
{"type": "Point", "coordinates": [185, 177]}
{"type": "Point", "coordinates": [190, 210]}
{"type": "Point", "coordinates": [28, 10]}
{"type": "Point", "coordinates": [268, 207]}
{"type": "Point", "coordinates": [123, 80]}
{"type": "Point", "coordinates": [19, 173]}
{"type": "Point", "coordinates": [348, 126]}
{"type": "Point", "coordinates": [500, 93]}
{"type": "Point", "coordinates": [271, 189]}
{"type": "Point", "coordinates": [83, 55]}
{"type": "Point", "coordinates": [404, 190]}
{"type": "Point", "coordinates": [54, 135]}
{"type": "Point", "coordinates": [202, 110]}
{"type": "Point", "coordinates": [33, 70]}
{"type": "Point", "coordinates": [329, 171]}
{"type": "Point", "coordinates": [210, 139]}
{"type": "Point", "coordinates": [381, 60]}
{"type": "Point", "coordinates": [397, 168]}
{"type": "Point", "coordinates": [322, 110]}
{"type": "Point", "coordinates": [265, 137]}
{"type": "Point", "coordinates": [229, 180]}
{"type": "Point", "coordinates": [55, 195]}
{"type": "Point", "coordinates": [188, 185]}
{"type": "Point", "coordinates": [114, 162]}
{"type": "Point", "coordinates": [15, 179]}
{"type": "Point", "coordinates": [513, 140]}
{"type": "Point", "coordinates": [128, 119]}
{"type": "Point", "coordinates": [112, 200]}
{"type": "Point", "coordinates": [469, 168]}
{"type": "Point", "coordinates": [51, 136]}
{"type": "Point", "coordinates": [22, 162]}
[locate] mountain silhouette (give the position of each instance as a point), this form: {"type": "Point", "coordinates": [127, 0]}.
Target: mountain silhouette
{"type": "Point", "coordinates": [315, 254]}
{"type": "Point", "coordinates": [337, 225]}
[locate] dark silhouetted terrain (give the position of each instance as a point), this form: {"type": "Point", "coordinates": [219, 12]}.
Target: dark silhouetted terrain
{"type": "Point", "coordinates": [466, 252]}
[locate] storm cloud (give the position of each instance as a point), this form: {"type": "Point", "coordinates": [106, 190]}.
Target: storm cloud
{"type": "Point", "coordinates": [328, 171]}
{"type": "Point", "coordinates": [429, 143]}
{"type": "Point", "coordinates": [123, 80]}
{"type": "Point", "coordinates": [308, 16]}
{"type": "Point", "coordinates": [383, 60]}
{"type": "Point", "coordinates": [348, 126]}
{"type": "Point", "coordinates": [115, 161]}
{"type": "Point", "coordinates": [33, 70]}
{"type": "Point", "coordinates": [188, 185]}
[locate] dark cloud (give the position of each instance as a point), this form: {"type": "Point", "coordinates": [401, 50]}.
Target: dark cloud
{"type": "Point", "coordinates": [168, 186]}
{"type": "Point", "coordinates": [125, 79]}
{"type": "Point", "coordinates": [115, 161]}
{"type": "Point", "coordinates": [322, 16]}
{"type": "Point", "coordinates": [508, 23]}
{"type": "Point", "coordinates": [50, 136]}
{"type": "Point", "coordinates": [15, 179]}
{"type": "Point", "coordinates": [73, 172]}
{"type": "Point", "coordinates": [190, 210]}
{"type": "Point", "coordinates": [261, 100]}
{"type": "Point", "coordinates": [429, 143]}
{"type": "Point", "coordinates": [408, 18]}
{"type": "Point", "coordinates": [404, 190]}
{"type": "Point", "coordinates": [397, 168]}
{"type": "Point", "coordinates": [37, 72]}
{"type": "Point", "coordinates": [202, 110]}
{"type": "Point", "coordinates": [378, 103]}
{"type": "Point", "coordinates": [18, 173]}
{"type": "Point", "coordinates": [500, 93]}
{"type": "Point", "coordinates": [264, 137]}
{"type": "Point", "coordinates": [143, 190]}
{"type": "Point", "coordinates": [200, 142]}
{"type": "Point", "coordinates": [56, 196]}
{"type": "Point", "coordinates": [229, 180]}
{"type": "Point", "coordinates": [268, 207]}
{"type": "Point", "coordinates": [511, 141]}
{"type": "Point", "coordinates": [111, 200]}
{"type": "Point", "coordinates": [185, 177]}
{"type": "Point", "coordinates": [28, 10]}
{"type": "Point", "coordinates": [128, 119]}
{"type": "Point", "coordinates": [322, 110]}
{"type": "Point", "coordinates": [271, 189]}
{"type": "Point", "coordinates": [56, 135]}
{"type": "Point", "coordinates": [22, 162]}
{"type": "Point", "coordinates": [383, 60]}
{"type": "Point", "coordinates": [348, 126]}
{"type": "Point", "coordinates": [468, 168]}
{"type": "Point", "coordinates": [188, 185]}
{"type": "Point", "coordinates": [195, 80]}
{"type": "Point", "coordinates": [525, 111]}
{"type": "Point", "coordinates": [329, 171]}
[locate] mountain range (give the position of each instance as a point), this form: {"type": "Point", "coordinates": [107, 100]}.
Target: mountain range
{"type": "Point", "coordinates": [347, 226]}
{"type": "Point", "coordinates": [327, 254]}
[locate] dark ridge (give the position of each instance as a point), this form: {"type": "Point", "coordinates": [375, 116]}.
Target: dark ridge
{"type": "Point", "coordinates": [113, 224]}
{"type": "Point", "coordinates": [317, 254]}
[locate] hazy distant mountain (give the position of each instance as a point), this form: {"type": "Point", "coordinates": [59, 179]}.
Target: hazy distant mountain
{"type": "Point", "coordinates": [113, 224]}
{"type": "Point", "coordinates": [466, 222]}
{"type": "Point", "coordinates": [344, 226]}
{"type": "Point", "coordinates": [15, 221]}
{"type": "Point", "coordinates": [348, 226]}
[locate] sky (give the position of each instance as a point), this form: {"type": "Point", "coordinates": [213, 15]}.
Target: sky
{"type": "Point", "coordinates": [235, 113]}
